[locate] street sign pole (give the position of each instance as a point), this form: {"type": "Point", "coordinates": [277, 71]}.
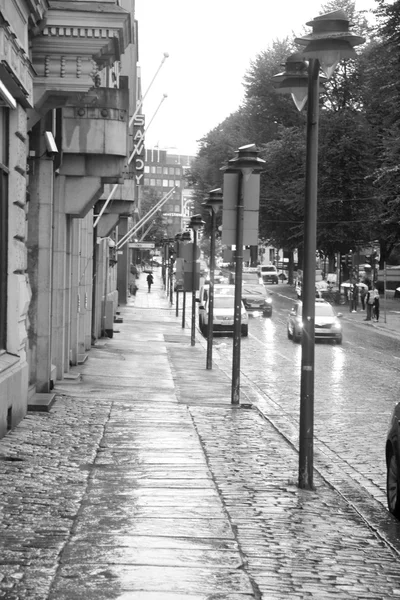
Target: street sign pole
{"type": "Point", "coordinates": [193, 328]}
{"type": "Point", "coordinates": [237, 323]}
{"type": "Point", "coordinates": [183, 310]}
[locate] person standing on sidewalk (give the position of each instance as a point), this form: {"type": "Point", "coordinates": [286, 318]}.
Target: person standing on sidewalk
{"type": "Point", "coordinates": [363, 293]}
{"type": "Point", "coordinates": [376, 304]}
{"type": "Point", "coordinates": [150, 281]}
{"type": "Point", "coordinates": [369, 303]}
{"type": "Point", "coordinates": [354, 298]}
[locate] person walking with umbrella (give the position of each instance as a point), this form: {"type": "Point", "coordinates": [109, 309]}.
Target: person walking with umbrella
{"type": "Point", "coordinates": [150, 281]}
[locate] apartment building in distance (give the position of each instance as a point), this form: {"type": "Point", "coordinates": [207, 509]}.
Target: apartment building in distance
{"type": "Point", "coordinates": [163, 172]}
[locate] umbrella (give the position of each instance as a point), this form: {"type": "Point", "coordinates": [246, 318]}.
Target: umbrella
{"type": "Point", "coordinates": [362, 285]}
{"type": "Point", "coordinates": [346, 284]}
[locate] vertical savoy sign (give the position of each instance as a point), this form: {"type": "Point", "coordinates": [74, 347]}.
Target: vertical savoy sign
{"type": "Point", "coordinates": [138, 148]}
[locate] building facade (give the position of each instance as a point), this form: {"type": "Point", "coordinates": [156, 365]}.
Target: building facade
{"type": "Point", "coordinates": [68, 88]}
{"type": "Point", "coordinates": [165, 172]}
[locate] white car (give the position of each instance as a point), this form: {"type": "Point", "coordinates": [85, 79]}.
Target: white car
{"type": "Point", "coordinates": [327, 324]}
{"type": "Point", "coordinates": [223, 311]}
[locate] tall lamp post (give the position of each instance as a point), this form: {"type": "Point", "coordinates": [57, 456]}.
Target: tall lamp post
{"type": "Point", "coordinates": [170, 291]}
{"type": "Point", "coordinates": [185, 237]}
{"type": "Point", "coordinates": [213, 204]}
{"type": "Point", "coordinates": [329, 42]}
{"type": "Point", "coordinates": [196, 223]}
{"type": "Point", "coordinates": [178, 239]}
{"type": "Point", "coordinates": [245, 163]}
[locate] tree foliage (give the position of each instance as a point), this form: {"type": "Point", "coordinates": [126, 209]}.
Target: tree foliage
{"type": "Point", "coordinates": [359, 142]}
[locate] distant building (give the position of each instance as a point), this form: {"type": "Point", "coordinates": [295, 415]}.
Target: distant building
{"type": "Point", "coordinates": [164, 171]}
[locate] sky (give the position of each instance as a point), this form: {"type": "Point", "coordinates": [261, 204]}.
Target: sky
{"type": "Point", "coordinates": [210, 44]}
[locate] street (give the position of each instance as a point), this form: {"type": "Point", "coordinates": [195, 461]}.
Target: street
{"type": "Point", "coordinates": [356, 387]}
{"type": "Point", "coordinates": [143, 483]}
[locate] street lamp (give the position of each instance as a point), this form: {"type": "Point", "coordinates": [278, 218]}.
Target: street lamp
{"type": "Point", "coordinates": [329, 42]}
{"type": "Point", "coordinates": [244, 164]}
{"type": "Point", "coordinates": [196, 223]}
{"type": "Point", "coordinates": [213, 204]}
{"type": "Point", "coordinates": [185, 237]}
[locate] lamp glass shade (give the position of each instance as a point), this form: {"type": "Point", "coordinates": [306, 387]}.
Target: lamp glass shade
{"type": "Point", "coordinates": [329, 53]}
{"type": "Point", "coordinates": [299, 96]}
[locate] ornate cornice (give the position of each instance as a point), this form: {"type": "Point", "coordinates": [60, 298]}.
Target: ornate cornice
{"type": "Point", "coordinates": [78, 39]}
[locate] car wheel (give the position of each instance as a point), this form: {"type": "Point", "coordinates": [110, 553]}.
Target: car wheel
{"type": "Point", "coordinates": [392, 485]}
{"type": "Point", "coordinates": [245, 330]}
{"type": "Point", "coordinates": [339, 341]}
{"type": "Point", "coordinates": [296, 338]}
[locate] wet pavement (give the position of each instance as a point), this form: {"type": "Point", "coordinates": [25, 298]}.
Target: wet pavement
{"type": "Point", "coordinates": [143, 483]}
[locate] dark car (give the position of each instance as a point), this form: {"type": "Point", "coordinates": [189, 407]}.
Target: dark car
{"type": "Point", "coordinates": [393, 463]}
{"type": "Point", "coordinates": [256, 297]}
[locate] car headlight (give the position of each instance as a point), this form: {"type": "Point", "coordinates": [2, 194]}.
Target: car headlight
{"type": "Point", "coordinates": [337, 326]}
{"type": "Point", "coordinates": [268, 301]}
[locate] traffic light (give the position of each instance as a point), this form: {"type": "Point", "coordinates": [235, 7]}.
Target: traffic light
{"type": "Point", "coordinates": [349, 260]}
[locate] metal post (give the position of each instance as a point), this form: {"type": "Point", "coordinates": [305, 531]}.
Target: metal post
{"type": "Point", "coordinates": [210, 332]}
{"type": "Point", "coordinates": [193, 330]}
{"type": "Point", "coordinates": [171, 282]}
{"type": "Point", "coordinates": [237, 324]}
{"type": "Point", "coordinates": [308, 292]}
{"type": "Point", "coordinates": [183, 310]}
{"type": "Point", "coordinates": [177, 302]}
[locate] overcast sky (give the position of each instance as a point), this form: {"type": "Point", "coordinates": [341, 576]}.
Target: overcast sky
{"type": "Point", "coordinates": [210, 45]}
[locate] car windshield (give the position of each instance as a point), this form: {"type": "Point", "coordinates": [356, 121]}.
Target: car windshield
{"type": "Point", "coordinates": [254, 290]}
{"type": "Point", "coordinates": [224, 301]}
{"type": "Point", "coordinates": [268, 269]}
{"type": "Point", "coordinates": [321, 310]}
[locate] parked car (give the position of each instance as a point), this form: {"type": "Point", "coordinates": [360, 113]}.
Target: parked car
{"type": "Point", "coordinates": [223, 313]}
{"type": "Point", "coordinates": [255, 296]}
{"type": "Point", "coordinates": [327, 324]}
{"type": "Point", "coordinates": [393, 463]}
{"type": "Point", "coordinates": [269, 274]}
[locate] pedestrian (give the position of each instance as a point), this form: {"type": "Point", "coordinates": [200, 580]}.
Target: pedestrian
{"type": "Point", "coordinates": [150, 281]}
{"type": "Point", "coordinates": [355, 298]}
{"type": "Point", "coordinates": [376, 305]}
{"type": "Point", "coordinates": [369, 299]}
{"type": "Point", "coordinates": [363, 294]}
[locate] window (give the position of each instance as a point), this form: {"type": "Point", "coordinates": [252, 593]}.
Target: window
{"type": "Point", "coordinates": [171, 183]}
{"type": "Point", "coordinates": [165, 183]}
{"type": "Point", "coordinates": [159, 183]}
{"type": "Point", "coordinates": [177, 172]}
{"type": "Point", "coordinates": [3, 223]}
{"type": "Point", "coordinates": [147, 169]}
{"type": "Point", "coordinates": [177, 183]}
{"type": "Point", "coordinates": [165, 170]}
{"type": "Point", "coordinates": [171, 170]}
{"type": "Point", "coordinates": [177, 208]}
{"type": "Point", "coordinates": [158, 170]}
{"type": "Point", "coordinates": [152, 169]}
{"type": "Point", "coordinates": [152, 182]}
{"type": "Point", "coordinates": [146, 181]}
